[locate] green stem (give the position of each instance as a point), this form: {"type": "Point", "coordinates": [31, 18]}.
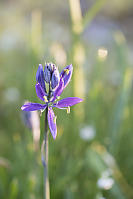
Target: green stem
{"type": "Point", "coordinates": [46, 179]}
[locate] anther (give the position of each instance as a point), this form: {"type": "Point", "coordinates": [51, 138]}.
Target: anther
{"type": "Point", "coordinates": [68, 109]}
{"type": "Point", "coordinates": [55, 119]}
{"type": "Point", "coordinates": [66, 71]}
{"type": "Point", "coordinates": [45, 98]}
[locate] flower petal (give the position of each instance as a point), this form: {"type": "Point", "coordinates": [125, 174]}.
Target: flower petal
{"type": "Point", "coordinates": [48, 72]}
{"type": "Point", "coordinates": [40, 77]}
{"type": "Point", "coordinates": [66, 74]}
{"type": "Point", "coordinates": [58, 90]}
{"type": "Point", "coordinates": [33, 106]}
{"type": "Point", "coordinates": [55, 78]}
{"type": "Point", "coordinates": [65, 77]}
{"type": "Point", "coordinates": [69, 101]}
{"type": "Point", "coordinates": [52, 122]}
{"type": "Point", "coordinates": [40, 92]}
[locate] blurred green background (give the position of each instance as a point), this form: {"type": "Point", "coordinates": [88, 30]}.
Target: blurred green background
{"type": "Point", "coordinates": [92, 155]}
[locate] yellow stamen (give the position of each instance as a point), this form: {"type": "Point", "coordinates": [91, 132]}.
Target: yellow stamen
{"type": "Point", "coordinates": [58, 97]}
{"type": "Point", "coordinates": [45, 98]}
{"type": "Point", "coordinates": [68, 109]}
{"type": "Point", "coordinates": [55, 119]}
{"type": "Point", "coordinates": [66, 71]}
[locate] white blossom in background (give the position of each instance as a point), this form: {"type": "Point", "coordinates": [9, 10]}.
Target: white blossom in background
{"type": "Point", "coordinates": [87, 132]}
{"type": "Point", "coordinates": [105, 182]}
{"type": "Point", "coordinates": [102, 53]}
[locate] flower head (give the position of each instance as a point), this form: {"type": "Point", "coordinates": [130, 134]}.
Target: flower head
{"type": "Point", "coordinates": [56, 84]}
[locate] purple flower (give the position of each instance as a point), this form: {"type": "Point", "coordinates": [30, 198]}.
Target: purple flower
{"type": "Point", "coordinates": [56, 83]}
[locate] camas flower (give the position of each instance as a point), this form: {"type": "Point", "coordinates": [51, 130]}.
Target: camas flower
{"type": "Point", "coordinates": [56, 84]}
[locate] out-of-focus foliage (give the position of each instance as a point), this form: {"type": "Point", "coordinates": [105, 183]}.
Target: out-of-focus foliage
{"type": "Point", "coordinates": [92, 155]}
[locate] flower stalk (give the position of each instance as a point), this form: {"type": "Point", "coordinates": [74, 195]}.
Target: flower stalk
{"type": "Point", "coordinates": [46, 178]}
{"type": "Point", "coordinates": [49, 86]}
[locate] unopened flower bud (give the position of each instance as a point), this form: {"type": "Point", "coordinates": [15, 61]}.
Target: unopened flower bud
{"type": "Point", "coordinates": [48, 72]}
{"type": "Point", "coordinates": [40, 77]}
{"type": "Point", "coordinates": [55, 78]}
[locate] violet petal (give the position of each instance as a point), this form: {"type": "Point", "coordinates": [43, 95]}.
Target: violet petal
{"type": "Point", "coordinates": [69, 101]}
{"type": "Point", "coordinates": [55, 78]}
{"type": "Point", "coordinates": [52, 122]}
{"type": "Point", "coordinates": [40, 77]}
{"type": "Point", "coordinates": [66, 74]}
{"type": "Point", "coordinates": [58, 90]}
{"type": "Point", "coordinates": [33, 106]}
{"type": "Point", "coordinates": [40, 92]}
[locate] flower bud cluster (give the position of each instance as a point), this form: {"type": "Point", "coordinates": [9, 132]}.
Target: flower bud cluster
{"type": "Point", "coordinates": [51, 75]}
